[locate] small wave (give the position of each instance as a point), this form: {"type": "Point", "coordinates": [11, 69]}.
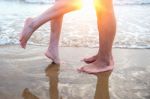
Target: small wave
{"type": "Point", "coordinates": [116, 2]}
{"type": "Point", "coordinates": [66, 44]}
{"type": "Point", "coordinates": [131, 2]}
{"type": "Point", "coordinates": [120, 4]}
{"type": "Point", "coordinates": [40, 1]}
{"type": "Point", "coordinates": [78, 31]}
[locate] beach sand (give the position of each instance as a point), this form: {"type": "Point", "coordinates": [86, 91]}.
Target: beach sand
{"type": "Point", "coordinates": [28, 74]}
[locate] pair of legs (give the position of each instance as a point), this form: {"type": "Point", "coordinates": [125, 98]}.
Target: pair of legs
{"type": "Point", "coordinates": [103, 60]}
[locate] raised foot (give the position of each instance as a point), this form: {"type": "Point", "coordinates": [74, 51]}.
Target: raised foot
{"type": "Point", "coordinates": [53, 56]}
{"type": "Point", "coordinates": [26, 32]}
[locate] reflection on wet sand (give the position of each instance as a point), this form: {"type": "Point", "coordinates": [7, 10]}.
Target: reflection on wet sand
{"type": "Point", "coordinates": [20, 69]}
{"type": "Point", "coordinates": [28, 95]}
{"type": "Point", "coordinates": [102, 87]}
{"type": "Point", "coordinates": [52, 71]}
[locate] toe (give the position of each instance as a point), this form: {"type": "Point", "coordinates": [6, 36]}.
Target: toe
{"type": "Point", "coordinates": [89, 60]}
{"type": "Point", "coordinates": [56, 61]}
{"type": "Point", "coordinates": [22, 44]}
{"type": "Point", "coordinates": [81, 69]}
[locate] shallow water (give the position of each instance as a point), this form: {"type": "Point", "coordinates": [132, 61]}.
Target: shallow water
{"type": "Point", "coordinates": [79, 28]}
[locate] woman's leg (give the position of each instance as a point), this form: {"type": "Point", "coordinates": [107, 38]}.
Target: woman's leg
{"type": "Point", "coordinates": [60, 8]}
{"type": "Point", "coordinates": [107, 28]}
{"type": "Point", "coordinates": [53, 49]}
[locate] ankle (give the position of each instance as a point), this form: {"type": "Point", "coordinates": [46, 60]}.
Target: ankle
{"type": "Point", "coordinates": [53, 45]}
{"type": "Point", "coordinates": [105, 55]}
{"type": "Point", "coordinates": [34, 23]}
{"type": "Point", "coordinates": [106, 58]}
{"type": "Point", "coordinates": [53, 49]}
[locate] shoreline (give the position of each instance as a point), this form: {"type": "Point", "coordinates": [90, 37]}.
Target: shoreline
{"type": "Point", "coordinates": [44, 45]}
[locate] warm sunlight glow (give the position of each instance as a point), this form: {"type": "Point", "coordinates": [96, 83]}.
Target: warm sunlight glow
{"type": "Point", "coordinates": [87, 4]}
{"type": "Point", "coordinates": [98, 5]}
{"type": "Point", "coordinates": [78, 4]}
{"type": "Point", "coordinates": [87, 7]}
{"type": "Point", "coordinates": [84, 4]}
{"type": "Point", "coordinates": [90, 5]}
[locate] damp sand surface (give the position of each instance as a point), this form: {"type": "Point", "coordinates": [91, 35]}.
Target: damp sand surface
{"type": "Point", "coordinates": [28, 74]}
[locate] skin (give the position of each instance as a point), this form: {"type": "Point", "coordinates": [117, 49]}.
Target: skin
{"type": "Point", "coordinates": [107, 29]}
{"type": "Point", "coordinates": [53, 49]}
{"type": "Point", "coordinates": [60, 8]}
{"type": "Point", "coordinates": [103, 61]}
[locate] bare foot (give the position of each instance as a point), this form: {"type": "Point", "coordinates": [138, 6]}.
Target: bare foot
{"type": "Point", "coordinates": [26, 32]}
{"type": "Point", "coordinates": [52, 53]}
{"type": "Point", "coordinates": [90, 59]}
{"type": "Point", "coordinates": [97, 67]}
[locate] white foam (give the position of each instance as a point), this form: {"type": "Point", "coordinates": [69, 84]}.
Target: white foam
{"type": "Point", "coordinates": [78, 30]}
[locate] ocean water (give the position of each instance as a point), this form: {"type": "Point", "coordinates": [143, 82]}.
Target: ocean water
{"type": "Point", "coordinates": [79, 27]}
{"type": "Point", "coordinates": [118, 2]}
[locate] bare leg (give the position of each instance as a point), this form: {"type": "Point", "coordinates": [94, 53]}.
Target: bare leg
{"type": "Point", "coordinates": [107, 29]}
{"type": "Point", "coordinates": [53, 50]}
{"type": "Point", "coordinates": [60, 8]}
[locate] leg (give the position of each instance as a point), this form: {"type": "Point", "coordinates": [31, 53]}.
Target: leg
{"type": "Point", "coordinates": [107, 29]}
{"type": "Point", "coordinates": [53, 50]}
{"type": "Point", "coordinates": [60, 8]}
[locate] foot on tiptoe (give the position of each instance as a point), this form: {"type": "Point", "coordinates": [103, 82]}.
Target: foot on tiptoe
{"type": "Point", "coordinates": [52, 53]}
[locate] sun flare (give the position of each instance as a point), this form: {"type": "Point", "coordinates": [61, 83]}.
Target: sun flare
{"type": "Point", "coordinates": [98, 5]}
{"type": "Point", "coordinates": [87, 5]}
{"type": "Point", "coordinates": [90, 5]}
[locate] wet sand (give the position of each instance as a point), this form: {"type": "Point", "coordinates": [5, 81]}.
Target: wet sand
{"type": "Point", "coordinates": [28, 74]}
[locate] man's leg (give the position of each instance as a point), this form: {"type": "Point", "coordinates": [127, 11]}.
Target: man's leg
{"type": "Point", "coordinates": [53, 49]}
{"type": "Point", "coordinates": [107, 28]}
